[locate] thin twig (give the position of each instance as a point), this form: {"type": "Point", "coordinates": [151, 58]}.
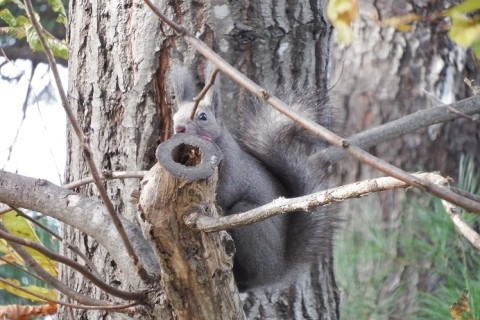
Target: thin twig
{"type": "Point", "coordinates": [109, 176]}
{"type": "Point", "coordinates": [74, 265]}
{"type": "Point", "coordinates": [304, 203]}
{"type": "Point", "coordinates": [314, 127]}
{"type": "Point", "coordinates": [53, 281]}
{"type": "Point", "coordinates": [204, 91]}
{"type": "Point", "coordinates": [109, 307]}
{"type": "Point", "coordinates": [407, 124]}
{"type": "Point", "coordinates": [14, 265]}
{"type": "Point", "coordinates": [85, 147]}
{"type": "Point", "coordinates": [74, 249]}
{"type": "Point", "coordinates": [463, 228]}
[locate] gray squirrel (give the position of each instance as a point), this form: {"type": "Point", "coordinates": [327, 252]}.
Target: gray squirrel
{"type": "Point", "coordinates": [270, 157]}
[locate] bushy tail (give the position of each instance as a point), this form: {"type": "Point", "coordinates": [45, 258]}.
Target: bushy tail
{"type": "Point", "coordinates": [289, 153]}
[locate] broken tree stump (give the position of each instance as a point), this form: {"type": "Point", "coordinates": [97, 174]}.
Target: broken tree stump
{"type": "Point", "coordinates": [196, 267]}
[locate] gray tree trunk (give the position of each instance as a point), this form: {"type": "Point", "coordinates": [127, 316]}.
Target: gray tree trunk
{"type": "Point", "coordinates": [386, 74]}
{"type": "Point", "coordinates": [118, 59]}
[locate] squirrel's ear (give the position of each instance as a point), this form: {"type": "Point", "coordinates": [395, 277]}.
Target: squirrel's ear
{"type": "Point", "coordinates": [213, 94]}
{"type": "Point", "coordinates": [182, 82]}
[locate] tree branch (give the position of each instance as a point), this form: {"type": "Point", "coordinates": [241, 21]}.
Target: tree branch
{"type": "Point", "coordinates": [304, 203]}
{"type": "Point", "coordinates": [73, 209]}
{"type": "Point", "coordinates": [31, 263]}
{"type": "Point", "coordinates": [462, 227]}
{"type": "Point", "coordinates": [110, 307]}
{"type": "Point", "coordinates": [106, 176]}
{"type": "Point", "coordinates": [407, 124]}
{"type": "Point", "coordinates": [58, 237]}
{"type": "Point", "coordinates": [314, 127]}
{"type": "Point", "coordinates": [74, 265]}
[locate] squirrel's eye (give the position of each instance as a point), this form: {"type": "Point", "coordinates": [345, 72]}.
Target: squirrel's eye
{"type": "Point", "coordinates": [202, 116]}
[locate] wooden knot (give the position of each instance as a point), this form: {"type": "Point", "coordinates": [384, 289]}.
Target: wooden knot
{"type": "Point", "coordinates": [189, 156]}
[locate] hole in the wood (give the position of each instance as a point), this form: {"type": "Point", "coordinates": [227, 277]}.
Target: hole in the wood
{"type": "Point", "coordinates": [187, 155]}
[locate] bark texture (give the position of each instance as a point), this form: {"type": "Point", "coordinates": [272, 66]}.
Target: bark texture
{"type": "Point", "coordinates": [386, 74]}
{"type": "Point", "coordinates": [113, 57]}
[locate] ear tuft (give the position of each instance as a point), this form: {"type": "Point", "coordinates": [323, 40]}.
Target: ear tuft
{"type": "Point", "coordinates": [182, 82]}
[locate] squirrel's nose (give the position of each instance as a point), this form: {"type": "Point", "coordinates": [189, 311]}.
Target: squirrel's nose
{"type": "Point", "coordinates": [179, 129]}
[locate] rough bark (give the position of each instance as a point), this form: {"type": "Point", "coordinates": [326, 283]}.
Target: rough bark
{"type": "Point", "coordinates": [119, 56]}
{"type": "Point", "coordinates": [113, 57]}
{"type": "Point", "coordinates": [386, 74]}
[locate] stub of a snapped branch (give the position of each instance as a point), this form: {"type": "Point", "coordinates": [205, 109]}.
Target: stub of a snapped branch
{"type": "Point", "coordinates": [189, 157]}
{"type": "Point", "coordinates": [196, 267]}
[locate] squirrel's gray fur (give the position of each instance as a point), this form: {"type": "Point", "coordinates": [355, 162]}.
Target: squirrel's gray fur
{"type": "Point", "coordinates": [270, 157]}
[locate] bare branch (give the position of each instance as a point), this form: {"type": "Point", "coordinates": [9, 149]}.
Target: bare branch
{"type": "Point", "coordinates": [62, 241]}
{"type": "Point", "coordinates": [72, 264]}
{"type": "Point", "coordinates": [315, 128]}
{"type": "Point", "coordinates": [53, 281]}
{"type": "Point", "coordinates": [463, 228]}
{"type": "Point", "coordinates": [304, 203]}
{"type": "Point", "coordinates": [111, 307]}
{"type": "Point", "coordinates": [85, 147]}
{"type": "Point", "coordinates": [410, 123]}
{"type": "Point", "coordinates": [106, 176]}
{"type": "Point", "coordinates": [204, 91]}
{"type": "Point", "coordinates": [73, 209]}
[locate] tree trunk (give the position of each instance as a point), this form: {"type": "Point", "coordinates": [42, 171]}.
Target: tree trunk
{"type": "Point", "coordinates": [119, 56]}
{"type": "Point", "coordinates": [113, 59]}
{"type": "Point", "coordinates": [386, 74]}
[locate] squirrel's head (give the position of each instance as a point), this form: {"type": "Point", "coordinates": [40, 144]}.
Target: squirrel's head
{"type": "Point", "coordinates": [206, 122]}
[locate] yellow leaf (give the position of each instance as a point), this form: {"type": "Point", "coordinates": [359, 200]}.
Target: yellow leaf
{"type": "Point", "coordinates": [342, 13]}
{"type": "Point", "coordinates": [465, 31]}
{"type": "Point", "coordinates": [20, 227]}
{"type": "Point", "coordinates": [44, 292]}
{"type": "Point", "coordinates": [460, 309]}
{"type": "Point", "coordinates": [467, 6]}
{"type": "Point", "coordinates": [402, 23]}
{"type": "Point", "coordinates": [9, 254]}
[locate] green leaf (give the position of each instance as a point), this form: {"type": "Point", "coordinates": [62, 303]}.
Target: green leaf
{"type": "Point", "coordinates": [17, 2]}
{"type": "Point", "coordinates": [16, 32]}
{"type": "Point", "coordinates": [59, 48]}
{"type": "Point", "coordinates": [476, 50]}
{"type": "Point", "coordinates": [465, 31]}
{"type": "Point", "coordinates": [467, 6]}
{"type": "Point", "coordinates": [57, 7]}
{"type": "Point", "coordinates": [8, 17]}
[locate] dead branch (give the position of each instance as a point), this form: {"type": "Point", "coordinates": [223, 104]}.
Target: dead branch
{"type": "Point", "coordinates": [196, 267]}
{"type": "Point", "coordinates": [58, 237]}
{"type": "Point", "coordinates": [73, 209]}
{"type": "Point", "coordinates": [407, 124]}
{"type": "Point", "coordinates": [72, 264]}
{"type": "Point", "coordinates": [110, 307]}
{"type": "Point", "coordinates": [305, 203]}
{"type": "Point", "coordinates": [53, 281]}
{"type": "Point", "coordinates": [462, 227]}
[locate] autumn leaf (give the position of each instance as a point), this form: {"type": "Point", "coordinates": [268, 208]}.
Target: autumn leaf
{"type": "Point", "coordinates": [20, 312]}
{"type": "Point", "coordinates": [460, 309]}
{"type": "Point", "coordinates": [401, 23]}
{"type": "Point", "coordinates": [8, 285]}
{"type": "Point", "coordinates": [342, 13]}
{"type": "Point", "coordinates": [20, 227]}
